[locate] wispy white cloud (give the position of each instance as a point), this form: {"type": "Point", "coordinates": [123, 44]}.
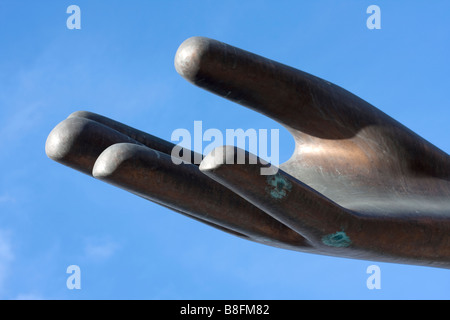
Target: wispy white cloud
{"type": "Point", "coordinates": [19, 124]}
{"type": "Point", "coordinates": [5, 198]}
{"type": "Point", "coordinates": [6, 257]}
{"type": "Point", "coordinates": [100, 250]}
{"type": "Point", "coordinates": [29, 296]}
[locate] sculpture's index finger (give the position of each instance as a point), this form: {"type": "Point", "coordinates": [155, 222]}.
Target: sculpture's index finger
{"type": "Point", "coordinates": [227, 71]}
{"type": "Point", "coordinates": [292, 97]}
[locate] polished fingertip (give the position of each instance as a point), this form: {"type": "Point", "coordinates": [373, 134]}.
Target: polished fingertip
{"type": "Point", "coordinates": [112, 158]}
{"type": "Point", "coordinates": [62, 139]}
{"type": "Point", "coordinates": [220, 156]}
{"type": "Point", "coordinates": [77, 142]}
{"type": "Point", "coordinates": [190, 56]}
{"type": "Point", "coordinates": [231, 155]}
{"type": "Point", "coordinates": [81, 114]}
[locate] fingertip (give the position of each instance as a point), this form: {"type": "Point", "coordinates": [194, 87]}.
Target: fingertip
{"type": "Point", "coordinates": [81, 114]}
{"type": "Point", "coordinates": [218, 157]}
{"type": "Point", "coordinates": [112, 158]}
{"type": "Point", "coordinates": [62, 139]}
{"type": "Point", "coordinates": [190, 56]}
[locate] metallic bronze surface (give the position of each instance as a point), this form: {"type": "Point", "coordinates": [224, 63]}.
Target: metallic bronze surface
{"type": "Point", "coordinates": [359, 184]}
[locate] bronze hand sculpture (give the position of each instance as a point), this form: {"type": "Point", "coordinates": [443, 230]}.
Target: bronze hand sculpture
{"type": "Point", "coordinates": [359, 184]}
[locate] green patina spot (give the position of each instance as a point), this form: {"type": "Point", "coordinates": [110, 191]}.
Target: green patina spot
{"type": "Point", "coordinates": [338, 240]}
{"type": "Point", "coordinates": [278, 186]}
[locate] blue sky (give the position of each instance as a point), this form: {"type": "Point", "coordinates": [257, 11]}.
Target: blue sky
{"type": "Point", "coordinates": [120, 64]}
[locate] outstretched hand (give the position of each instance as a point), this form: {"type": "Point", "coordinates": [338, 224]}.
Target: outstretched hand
{"type": "Point", "coordinates": [359, 184]}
